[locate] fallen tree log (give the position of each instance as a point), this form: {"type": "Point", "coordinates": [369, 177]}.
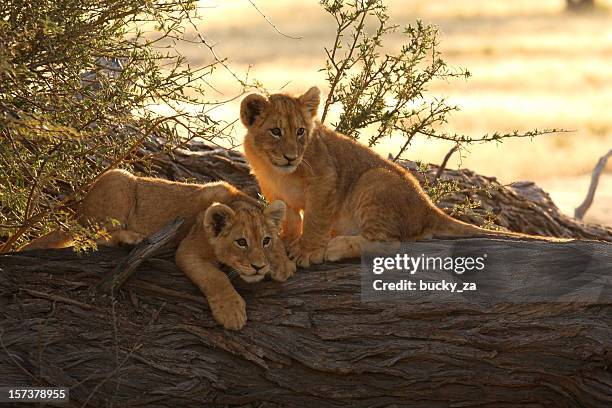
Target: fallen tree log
{"type": "Point", "coordinates": [309, 342]}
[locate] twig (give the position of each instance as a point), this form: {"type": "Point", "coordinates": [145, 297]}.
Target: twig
{"type": "Point", "coordinates": [586, 204]}
{"type": "Point", "coordinates": [147, 248]}
{"type": "Point", "coordinates": [164, 292]}
{"type": "Point", "coordinates": [495, 137]}
{"type": "Point", "coordinates": [57, 298]}
{"type": "Point", "coordinates": [445, 161]}
{"type": "Point", "coordinates": [270, 22]}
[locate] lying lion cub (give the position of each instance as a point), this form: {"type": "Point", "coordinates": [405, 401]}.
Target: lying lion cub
{"type": "Point", "coordinates": [222, 226]}
{"type": "Point", "coordinates": [348, 193]}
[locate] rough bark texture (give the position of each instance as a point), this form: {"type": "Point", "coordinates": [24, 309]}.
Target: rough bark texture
{"type": "Point", "coordinates": [309, 342]}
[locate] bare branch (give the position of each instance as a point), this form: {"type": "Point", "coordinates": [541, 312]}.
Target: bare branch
{"type": "Point", "coordinates": [586, 204]}
{"type": "Point", "coordinates": [445, 161]}
{"type": "Point", "coordinates": [149, 247]}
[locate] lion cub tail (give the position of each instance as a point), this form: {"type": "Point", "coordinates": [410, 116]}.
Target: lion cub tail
{"type": "Point", "coordinates": [446, 227]}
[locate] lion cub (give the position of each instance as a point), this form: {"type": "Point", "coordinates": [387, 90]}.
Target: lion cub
{"type": "Point", "coordinates": [222, 226]}
{"type": "Point", "coordinates": [349, 195]}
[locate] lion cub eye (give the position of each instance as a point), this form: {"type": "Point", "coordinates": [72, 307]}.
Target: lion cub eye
{"type": "Point", "coordinates": [242, 243]}
{"type": "Point", "coordinates": [276, 132]}
{"type": "Point", "coordinates": [266, 241]}
{"type": "Point", "coordinates": [300, 131]}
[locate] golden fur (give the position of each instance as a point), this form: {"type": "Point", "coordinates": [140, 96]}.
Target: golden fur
{"type": "Point", "coordinates": [349, 195]}
{"type": "Point", "coordinates": [217, 218]}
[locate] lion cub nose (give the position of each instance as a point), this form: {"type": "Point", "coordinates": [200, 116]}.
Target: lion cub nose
{"type": "Point", "coordinates": [290, 158]}
{"type": "Point", "coordinates": [257, 267]}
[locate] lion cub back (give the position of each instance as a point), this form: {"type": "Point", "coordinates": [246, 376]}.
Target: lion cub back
{"type": "Point", "coordinates": [145, 205]}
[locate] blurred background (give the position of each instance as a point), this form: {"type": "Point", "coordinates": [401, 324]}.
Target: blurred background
{"type": "Point", "coordinates": [534, 64]}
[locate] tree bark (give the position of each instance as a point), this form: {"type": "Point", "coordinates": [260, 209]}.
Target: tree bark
{"type": "Point", "coordinates": [309, 342]}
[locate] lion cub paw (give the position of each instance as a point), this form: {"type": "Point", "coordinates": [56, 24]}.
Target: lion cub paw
{"type": "Point", "coordinates": [283, 270]}
{"type": "Point", "coordinates": [305, 257]}
{"type": "Point", "coordinates": [342, 247]}
{"type": "Point", "coordinates": [336, 249]}
{"type": "Point", "coordinates": [230, 312]}
{"type": "Point", "coordinates": [131, 238]}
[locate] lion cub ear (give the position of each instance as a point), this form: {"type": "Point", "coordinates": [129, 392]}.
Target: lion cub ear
{"type": "Point", "coordinates": [217, 217]}
{"type": "Point", "coordinates": [251, 107]}
{"type": "Point", "coordinates": [275, 212]}
{"type": "Point", "coordinates": [310, 100]}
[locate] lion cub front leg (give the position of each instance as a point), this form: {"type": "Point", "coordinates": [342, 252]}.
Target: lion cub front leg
{"type": "Point", "coordinates": [292, 227]}
{"type": "Point", "coordinates": [281, 267]}
{"type": "Point", "coordinates": [318, 214]}
{"type": "Point", "coordinates": [227, 306]}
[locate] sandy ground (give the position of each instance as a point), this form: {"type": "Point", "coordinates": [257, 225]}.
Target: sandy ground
{"type": "Point", "coordinates": [533, 66]}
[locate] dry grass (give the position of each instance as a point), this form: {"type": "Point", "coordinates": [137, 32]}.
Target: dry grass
{"type": "Point", "coordinates": [533, 66]}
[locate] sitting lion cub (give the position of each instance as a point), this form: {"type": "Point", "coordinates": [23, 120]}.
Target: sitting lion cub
{"type": "Point", "coordinates": [222, 226]}
{"type": "Point", "coordinates": [349, 194]}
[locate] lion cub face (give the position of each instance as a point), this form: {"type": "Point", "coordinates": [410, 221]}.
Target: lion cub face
{"type": "Point", "coordinates": [242, 238]}
{"type": "Point", "coordinates": [280, 126]}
